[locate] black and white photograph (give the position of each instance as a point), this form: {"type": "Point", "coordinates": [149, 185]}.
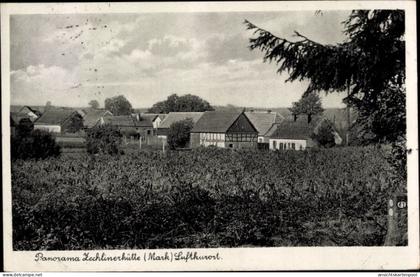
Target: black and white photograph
{"type": "Point", "coordinates": [248, 129]}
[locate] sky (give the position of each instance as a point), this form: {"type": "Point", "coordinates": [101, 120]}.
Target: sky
{"type": "Point", "coordinates": [70, 59]}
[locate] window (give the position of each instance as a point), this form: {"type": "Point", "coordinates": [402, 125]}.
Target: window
{"type": "Point", "coordinates": [281, 146]}
{"type": "Point", "coordinates": [301, 147]}
{"type": "Point", "coordinates": [148, 132]}
{"type": "Point", "coordinates": [230, 145]}
{"type": "Point", "coordinates": [293, 145]}
{"type": "Point", "coordinates": [275, 144]}
{"type": "Point", "coordinates": [260, 139]}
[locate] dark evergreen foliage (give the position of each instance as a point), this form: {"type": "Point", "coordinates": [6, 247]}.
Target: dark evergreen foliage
{"type": "Point", "coordinates": [371, 62]}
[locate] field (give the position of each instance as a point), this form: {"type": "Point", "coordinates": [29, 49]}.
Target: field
{"type": "Point", "coordinates": [203, 198]}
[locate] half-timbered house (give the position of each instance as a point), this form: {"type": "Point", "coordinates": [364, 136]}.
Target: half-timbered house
{"type": "Point", "coordinates": [225, 130]}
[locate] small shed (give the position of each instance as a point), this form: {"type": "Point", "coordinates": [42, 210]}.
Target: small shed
{"type": "Point", "coordinates": [225, 130]}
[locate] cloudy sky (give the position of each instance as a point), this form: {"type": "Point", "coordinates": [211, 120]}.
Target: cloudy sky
{"type": "Point", "coordinates": [72, 59]}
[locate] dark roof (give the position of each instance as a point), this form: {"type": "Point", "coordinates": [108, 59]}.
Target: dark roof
{"type": "Point", "coordinates": [92, 116]}
{"type": "Point", "coordinates": [127, 121]}
{"type": "Point", "coordinates": [215, 122]}
{"type": "Point", "coordinates": [263, 121]}
{"type": "Point", "coordinates": [290, 129]}
{"type": "Point", "coordinates": [179, 116]}
{"type": "Point", "coordinates": [150, 116]}
{"type": "Point", "coordinates": [55, 117]}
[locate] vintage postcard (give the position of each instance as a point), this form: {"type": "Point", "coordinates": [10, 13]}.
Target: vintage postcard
{"type": "Point", "coordinates": [210, 136]}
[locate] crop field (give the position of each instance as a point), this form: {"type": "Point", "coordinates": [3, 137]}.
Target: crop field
{"type": "Point", "coordinates": [203, 198]}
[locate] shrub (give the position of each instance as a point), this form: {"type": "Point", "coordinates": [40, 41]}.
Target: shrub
{"type": "Point", "coordinates": [36, 144]}
{"type": "Point", "coordinates": [179, 133]}
{"type": "Point", "coordinates": [324, 135]}
{"type": "Point", "coordinates": [104, 140]}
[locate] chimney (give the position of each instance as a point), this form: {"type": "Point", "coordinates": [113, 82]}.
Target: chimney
{"type": "Point", "coordinates": [294, 117]}
{"type": "Point", "coordinates": [309, 118]}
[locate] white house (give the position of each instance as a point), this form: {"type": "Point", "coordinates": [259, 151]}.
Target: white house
{"type": "Point", "coordinates": [296, 134]}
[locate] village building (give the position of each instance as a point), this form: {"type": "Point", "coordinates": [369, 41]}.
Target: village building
{"type": "Point", "coordinates": [60, 121]}
{"type": "Point", "coordinates": [296, 133]}
{"type": "Point", "coordinates": [130, 126]}
{"type": "Point", "coordinates": [263, 121]}
{"type": "Point", "coordinates": [31, 113]}
{"type": "Point", "coordinates": [156, 120]}
{"type": "Point", "coordinates": [225, 130]}
{"type": "Point", "coordinates": [172, 117]}
{"type": "Point", "coordinates": [93, 117]}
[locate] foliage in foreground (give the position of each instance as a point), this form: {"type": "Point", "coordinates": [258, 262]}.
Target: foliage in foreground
{"type": "Point", "coordinates": [33, 144]}
{"type": "Point", "coordinates": [203, 198]}
{"type": "Point", "coordinates": [179, 133]}
{"type": "Point", "coordinates": [103, 140]}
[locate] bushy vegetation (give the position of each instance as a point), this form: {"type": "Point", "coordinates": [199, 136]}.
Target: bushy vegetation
{"type": "Point", "coordinates": [179, 133]}
{"type": "Point", "coordinates": [203, 198]}
{"type": "Point", "coordinates": [33, 144]}
{"type": "Point", "coordinates": [103, 140]}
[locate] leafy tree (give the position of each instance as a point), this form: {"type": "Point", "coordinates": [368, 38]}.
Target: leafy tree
{"type": "Point", "coordinates": [94, 104]}
{"type": "Point", "coordinates": [118, 105]}
{"type": "Point", "coordinates": [185, 103]}
{"type": "Point", "coordinates": [324, 135]}
{"type": "Point", "coordinates": [179, 133]}
{"type": "Point", "coordinates": [369, 65]}
{"type": "Point", "coordinates": [104, 140]}
{"type": "Point", "coordinates": [310, 104]}
{"type": "Point", "coordinates": [37, 144]}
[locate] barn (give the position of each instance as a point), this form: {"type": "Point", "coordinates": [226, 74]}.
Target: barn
{"type": "Point", "coordinates": [60, 121]}
{"type": "Point", "coordinates": [173, 117]}
{"type": "Point", "coordinates": [225, 130]}
{"type": "Point", "coordinates": [296, 133]}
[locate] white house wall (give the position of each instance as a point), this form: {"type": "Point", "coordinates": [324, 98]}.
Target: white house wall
{"type": "Point", "coordinates": [274, 144]}
{"type": "Point", "coordinates": [216, 139]}
{"type": "Point", "coordinates": [49, 128]}
{"type": "Point", "coordinates": [156, 122]}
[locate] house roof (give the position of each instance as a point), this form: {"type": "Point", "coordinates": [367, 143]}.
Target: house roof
{"type": "Point", "coordinates": [179, 116]}
{"type": "Point", "coordinates": [215, 122]}
{"type": "Point", "coordinates": [18, 116]}
{"type": "Point", "coordinates": [36, 112]}
{"type": "Point", "coordinates": [153, 116]}
{"type": "Point", "coordinates": [55, 117]}
{"type": "Point", "coordinates": [127, 121]}
{"type": "Point", "coordinates": [290, 129]}
{"type": "Point", "coordinates": [92, 116]}
{"type": "Point", "coordinates": [263, 121]}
